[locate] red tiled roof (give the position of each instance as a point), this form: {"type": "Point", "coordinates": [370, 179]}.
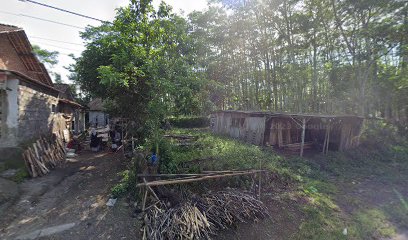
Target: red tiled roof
{"type": "Point", "coordinates": [22, 46]}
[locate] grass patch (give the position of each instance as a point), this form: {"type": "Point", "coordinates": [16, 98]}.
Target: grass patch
{"type": "Point", "coordinates": [20, 176]}
{"type": "Point", "coordinates": [371, 224]}
{"type": "Point", "coordinates": [12, 159]}
{"type": "Point", "coordinates": [125, 185]}
{"type": "Point", "coordinates": [315, 179]}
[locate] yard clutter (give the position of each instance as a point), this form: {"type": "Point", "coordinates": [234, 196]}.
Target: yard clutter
{"type": "Point", "coordinates": [191, 216]}
{"type": "Point", "coordinates": [43, 155]}
{"type": "Point", "coordinates": [200, 217]}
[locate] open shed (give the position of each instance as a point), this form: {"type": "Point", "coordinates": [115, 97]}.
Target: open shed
{"type": "Point", "coordinates": [290, 131]}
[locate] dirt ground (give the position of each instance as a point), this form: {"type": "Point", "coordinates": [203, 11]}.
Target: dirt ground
{"type": "Point", "coordinates": [70, 203]}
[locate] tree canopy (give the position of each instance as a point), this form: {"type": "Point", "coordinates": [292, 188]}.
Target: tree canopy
{"type": "Point", "coordinates": [322, 56]}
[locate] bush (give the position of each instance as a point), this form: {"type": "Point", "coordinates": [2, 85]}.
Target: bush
{"type": "Point", "coordinates": [381, 133]}
{"type": "Point", "coordinates": [189, 122]}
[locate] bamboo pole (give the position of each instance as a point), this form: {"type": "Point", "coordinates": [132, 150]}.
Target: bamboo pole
{"type": "Point", "coordinates": [173, 175]}
{"type": "Point", "coordinates": [151, 190]}
{"type": "Point", "coordinates": [260, 176]}
{"type": "Point", "coordinates": [176, 181]}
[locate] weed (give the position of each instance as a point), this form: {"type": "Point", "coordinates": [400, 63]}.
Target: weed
{"type": "Point", "coordinates": [20, 175]}
{"type": "Point", "coordinates": [316, 179]}
{"type": "Point", "coordinates": [124, 185]}
{"type": "Point", "coordinates": [371, 223]}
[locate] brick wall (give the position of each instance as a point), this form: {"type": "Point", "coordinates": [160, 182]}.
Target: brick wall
{"type": "Point", "coordinates": [35, 112]}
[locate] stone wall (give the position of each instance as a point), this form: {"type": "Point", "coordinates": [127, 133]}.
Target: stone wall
{"type": "Point", "coordinates": [35, 112]}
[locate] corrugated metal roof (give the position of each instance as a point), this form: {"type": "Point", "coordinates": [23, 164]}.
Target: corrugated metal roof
{"type": "Point", "coordinates": [284, 114]}
{"type": "Point", "coordinates": [96, 105]}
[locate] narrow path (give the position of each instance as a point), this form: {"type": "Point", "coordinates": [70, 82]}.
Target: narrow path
{"type": "Point", "coordinates": [69, 203]}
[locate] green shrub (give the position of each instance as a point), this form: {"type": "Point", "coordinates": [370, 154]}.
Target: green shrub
{"type": "Point", "coordinates": [380, 133]}
{"type": "Point", "coordinates": [125, 185]}
{"type": "Point", "coordinates": [21, 174]}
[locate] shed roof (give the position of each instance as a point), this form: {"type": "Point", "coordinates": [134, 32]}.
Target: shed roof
{"type": "Point", "coordinates": [72, 103]}
{"type": "Point", "coordinates": [65, 91]}
{"type": "Point", "coordinates": [285, 114]}
{"type": "Point", "coordinates": [96, 105]}
{"type": "Point", "coordinates": [62, 87]}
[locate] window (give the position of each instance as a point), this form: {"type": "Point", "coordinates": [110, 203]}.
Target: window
{"type": "Point", "coordinates": [53, 108]}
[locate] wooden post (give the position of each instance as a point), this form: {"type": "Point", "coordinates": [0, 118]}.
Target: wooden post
{"type": "Point", "coordinates": [280, 140]}
{"type": "Point", "coordinates": [260, 176]}
{"type": "Point", "coordinates": [328, 138]}
{"type": "Point", "coordinates": [303, 136]}
{"type": "Point", "coordinates": [133, 145]}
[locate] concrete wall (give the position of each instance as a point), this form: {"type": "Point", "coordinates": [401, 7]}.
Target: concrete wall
{"type": "Point", "coordinates": [79, 118]}
{"type": "Point", "coordinates": [98, 119]}
{"type": "Point", "coordinates": [10, 114]}
{"type": "Point", "coordinates": [35, 112]}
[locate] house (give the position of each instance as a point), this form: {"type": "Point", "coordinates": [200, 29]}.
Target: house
{"type": "Point", "coordinates": [96, 115]}
{"type": "Point", "coordinates": [28, 97]}
{"type": "Point", "coordinates": [73, 112]}
{"type": "Point", "coordinates": [290, 131]}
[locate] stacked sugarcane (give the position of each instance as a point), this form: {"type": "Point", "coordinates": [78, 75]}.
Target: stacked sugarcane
{"type": "Point", "coordinates": [43, 155]}
{"type": "Point", "coordinates": [200, 217]}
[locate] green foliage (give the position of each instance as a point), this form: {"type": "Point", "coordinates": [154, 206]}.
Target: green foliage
{"type": "Point", "coordinates": [189, 122]}
{"type": "Point", "coordinates": [372, 223]}
{"type": "Point", "coordinates": [13, 159]}
{"type": "Point", "coordinates": [167, 160]}
{"type": "Point", "coordinates": [143, 65]}
{"type": "Point", "coordinates": [125, 185]}
{"type": "Point", "coordinates": [21, 175]}
{"type": "Point", "coordinates": [45, 56]}
{"type": "Point", "coordinates": [382, 133]}
{"type": "Point", "coordinates": [314, 179]}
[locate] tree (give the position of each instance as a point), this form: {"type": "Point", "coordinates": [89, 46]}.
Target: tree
{"type": "Point", "coordinates": [45, 56]}
{"type": "Point", "coordinates": [142, 64]}
{"type": "Point", "coordinates": [323, 56]}
{"type": "Point", "coordinates": [49, 58]}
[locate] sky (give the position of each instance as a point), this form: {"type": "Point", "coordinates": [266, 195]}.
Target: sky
{"type": "Point", "coordinates": [66, 39]}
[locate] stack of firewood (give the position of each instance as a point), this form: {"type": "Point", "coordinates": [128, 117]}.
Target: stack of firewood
{"type": "Point", "coordinates": [43, 155]}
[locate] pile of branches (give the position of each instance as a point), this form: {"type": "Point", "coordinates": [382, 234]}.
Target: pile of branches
{"type": "Point", "coordinates": [200, 217]}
